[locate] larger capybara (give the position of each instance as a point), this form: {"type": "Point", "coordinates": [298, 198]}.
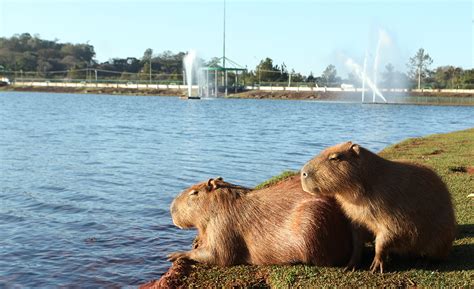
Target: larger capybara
{"type": "Point", "coordinates": [280, 224]}
{"type": "Point", "coordinates": [405, 205]}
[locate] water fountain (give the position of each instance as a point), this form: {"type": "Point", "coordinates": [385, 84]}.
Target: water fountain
{"type": "Point", "coordinates": [383, 40]}
{"type": "Point", "coordinates": [190, 66]}
{"type": "Point", "coordinates": [365, 79]}
{"type": "Point", "coordinates": [362, 72]}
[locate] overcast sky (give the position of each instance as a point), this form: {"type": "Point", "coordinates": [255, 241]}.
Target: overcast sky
{"type": "Point", "coordinates": [306, 35]}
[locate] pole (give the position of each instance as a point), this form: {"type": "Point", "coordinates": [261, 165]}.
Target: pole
{"type": "Point", "coordinates": [150, 70]}
{"type": "Point", "coordinates": [207, 83]}
{"type": "Point", "coordinates": [419, 77]}
{"type": "Point", "coordinates": [223, 56]}
{"type": "Point", "coordinates": [259, 78]}
{"type": "Point", "coordinates": [215, 83]}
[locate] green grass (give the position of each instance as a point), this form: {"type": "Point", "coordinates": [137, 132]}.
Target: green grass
{"type": "Point", "coordinates": [452, 156]}
{"type": "Point", "coordinates": [276, 179]}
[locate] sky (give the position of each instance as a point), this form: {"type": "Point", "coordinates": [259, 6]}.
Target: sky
{"type": "Point", "coordinates": [305, 35]}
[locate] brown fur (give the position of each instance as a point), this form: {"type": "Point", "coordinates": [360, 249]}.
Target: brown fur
{"type": "Point", "coordinates": [406, 206]}
{"type": "Point", "coordinates": [280, 224]}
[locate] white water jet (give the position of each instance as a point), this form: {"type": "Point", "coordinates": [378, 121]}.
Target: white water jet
{"type": "Point", "coordinates": [383, 40]}
{"type": "Point", "coordinates": [357, 69]}
{"type": "Point", "coordinates": [364, 73]}
{"type": "Point", "coordinates": [189, 62]}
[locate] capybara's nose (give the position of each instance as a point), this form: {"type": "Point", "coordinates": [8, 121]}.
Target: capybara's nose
{"type": "Point", "coordinates": [173, 207]}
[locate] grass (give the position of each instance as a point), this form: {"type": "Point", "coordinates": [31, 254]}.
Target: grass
{"type": "Point", "coordinates": [452, 157]}
{"type": "Point", "coordinates": [276, 179]}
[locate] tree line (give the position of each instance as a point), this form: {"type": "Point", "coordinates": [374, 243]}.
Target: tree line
{"type": "Point", "coordinates": [32, 56]}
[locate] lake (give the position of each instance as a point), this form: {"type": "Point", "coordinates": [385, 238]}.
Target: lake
{"type": "Point", "coordinates": [87, 180]}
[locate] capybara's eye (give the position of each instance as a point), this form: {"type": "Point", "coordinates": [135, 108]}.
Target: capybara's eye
{"type": "Point", "coordinates": [193, 192]}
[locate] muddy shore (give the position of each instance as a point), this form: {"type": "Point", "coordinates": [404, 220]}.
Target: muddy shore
{"type": "Point", "coordinates": [100, 90]}
{"type": "Point", "coordinates": [251, 94]}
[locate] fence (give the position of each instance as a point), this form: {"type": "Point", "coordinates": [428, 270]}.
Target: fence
{"type": "Point", "coordinates": [174, 81]}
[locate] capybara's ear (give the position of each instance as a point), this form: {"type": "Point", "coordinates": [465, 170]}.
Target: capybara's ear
{"type": "Point", "coordinates": [209, 185]}
{"type": "Point", "coordinates": [215, 184]}
{"type": "Point", "coordinates": [355, 148]}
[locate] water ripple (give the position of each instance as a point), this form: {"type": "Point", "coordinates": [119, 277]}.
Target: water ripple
{"type": "Point", "coordinates": [87, 180]}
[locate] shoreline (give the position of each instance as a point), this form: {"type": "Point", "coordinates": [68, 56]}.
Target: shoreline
{"type": "Point", "coordinates": [450, 155]}
{"type": "Point", "coordinates": [96, 90]}
{"type": "Point", "coordinates": [422, 98]}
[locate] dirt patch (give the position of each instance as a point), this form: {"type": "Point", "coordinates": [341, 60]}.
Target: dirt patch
{"type": "Point", "coordinates": [416, 142]}
{"type": "Point", "coordinates": [459, 169]}
{"type": "Point", "coordinates": [436, 152]}
{"type": "Point", "coordinates": [174, 278]}
{"type": "Point", "coordinates": [470, 170]}
{"type": "Point", "coordinates": [462, 169]}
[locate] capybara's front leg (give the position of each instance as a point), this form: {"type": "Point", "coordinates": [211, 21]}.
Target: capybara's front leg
{"type": "Point", "coordinates": [357, 246]}
{"type": "Point", "coordinates": [200, 255]}
{"type": "Point", "coordinates": [359, 237]}
{"type": "Point", "coordinates": [381, 242]}
{"type": "Point", "coordinates": [178, 255]}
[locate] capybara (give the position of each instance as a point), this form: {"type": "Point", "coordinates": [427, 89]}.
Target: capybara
{"type": "Point", "coordinates": [280, 224]}
{"type": "Point", "coordinates": [405, 205]}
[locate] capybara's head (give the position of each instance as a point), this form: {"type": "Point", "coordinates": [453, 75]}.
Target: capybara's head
{"type": "Point", "coordinates": [334, 170]}
{"type": "Point", "coordinates": [196, 205]}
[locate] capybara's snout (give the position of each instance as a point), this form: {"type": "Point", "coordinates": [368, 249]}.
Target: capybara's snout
{"type": "Point", "coordinates": [306, 179]}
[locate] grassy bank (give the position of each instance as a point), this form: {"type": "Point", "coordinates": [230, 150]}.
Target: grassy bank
{"type": "Point", "coordinates": [452, 156]}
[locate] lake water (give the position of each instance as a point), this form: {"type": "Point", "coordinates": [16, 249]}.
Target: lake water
{"type": "Point", "coordinates": [86, 180]}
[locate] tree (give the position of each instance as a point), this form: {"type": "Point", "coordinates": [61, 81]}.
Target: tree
{"type": "Point", "coordinates": [468, 79]}
{"type": "Point", "coordinates": [296, 77]}
{"type": "Point", "coordinates": [146, 73]}
{"type": "Point", "coordinates": [388, 75]}
{"type": "Point", "coordinates": [73, 73]}
{"type": "Point", "coordinates": [147, 55]}
{"type": "Point", "coordinates": [214, 61]}
{"type": "Point", "coordinates": [266, 71]}
{"type": "Point", "coordinates": [418, 66]}
{"type": "Point", "coordinates": [330, 75]}
{"type": "Point", "coordinates": [249, 77]}
{"type": "Point", "coordinates": [352, 79]}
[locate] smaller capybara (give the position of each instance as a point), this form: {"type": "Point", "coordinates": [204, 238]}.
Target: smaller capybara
{"type": "Point", "coordinates": [405, 205]}
{"type": "Point", "coordinates": [280, 224]}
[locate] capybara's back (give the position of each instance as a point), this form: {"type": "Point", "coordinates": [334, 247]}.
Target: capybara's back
{"type": "Point", "coordinates": [425, 204]}
{"type": "Point", "coordinates": [299, 227]}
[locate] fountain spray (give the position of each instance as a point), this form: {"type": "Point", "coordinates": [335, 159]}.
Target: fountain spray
{"type": "Point", "coordinates": [189, 62]}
